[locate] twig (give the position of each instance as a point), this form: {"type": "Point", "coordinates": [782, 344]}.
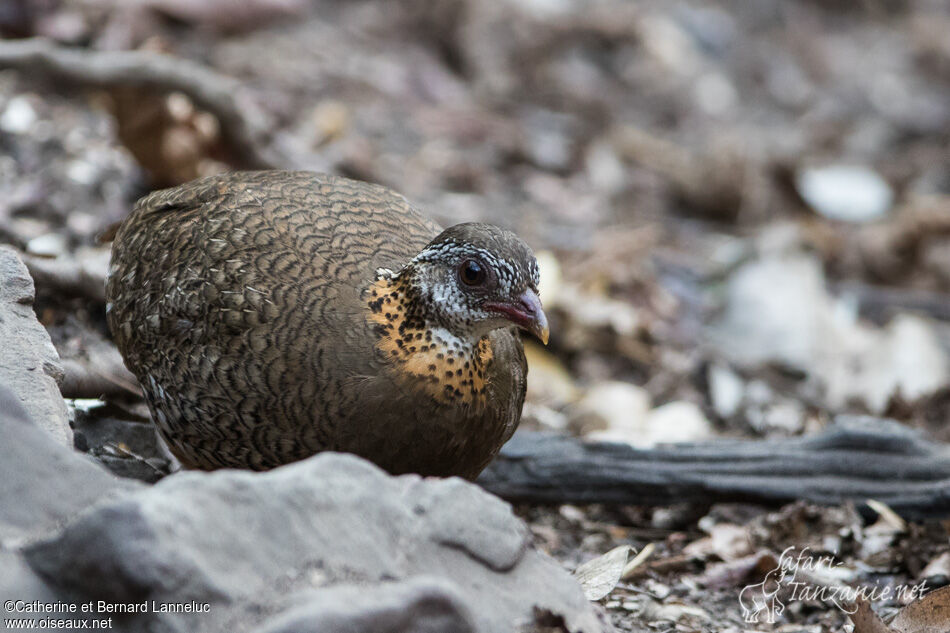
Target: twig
{"type": "Point", "coordinates": [243, 125]}
{"type": "Point", "coordinates": [97, 372]}
{"type": "Point", "coordinates": [66, 275]}
{"type": "Point", "coordinates": [82, 380]}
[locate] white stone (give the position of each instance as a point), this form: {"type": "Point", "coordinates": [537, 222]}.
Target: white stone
{"type": "Point", "coordinates": [618, 408]}
{"type": "Point", "coordinates": [18, 117]}
{"type": "Point", "coordinates": [784, 415]}
{"type": "Point", "coordinates": [82, 172]}
{"type": "Point", "coordinates": [604, 168]}
{"type": "Point", "coordinates": [726, 390]}
{"type": "Point", "coordinates": [47, 245]}
{"type": "Point", "coordinates": [845, 192]}
{"type": "Point", "coordinates": [779, 311]}
{"type": "Point", "coordinates": [677, 422]}
{"type": "Point", "coordinates": [544, 417]}
{"type": "Point", "coordinates": [592, 311]}
{"type": "Point", "coordinates": [671, 423]}
{"type": "Point", "coordinates": [551, 280]}
{"type": "Point", "coordinates": [715, 94]}
{"type": "Point", "coordinates": [905, 358]}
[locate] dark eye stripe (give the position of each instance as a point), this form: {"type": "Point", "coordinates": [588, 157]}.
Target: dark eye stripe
{"type": "Point", "coordinates": [508, 274]}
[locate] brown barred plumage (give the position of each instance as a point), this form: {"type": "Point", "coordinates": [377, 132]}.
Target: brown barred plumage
{"type": "Point", "coordinates": [241, 302]}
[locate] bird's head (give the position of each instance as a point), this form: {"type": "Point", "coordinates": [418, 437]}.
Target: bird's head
{"type": "Point", "coordinates": [474, 278]}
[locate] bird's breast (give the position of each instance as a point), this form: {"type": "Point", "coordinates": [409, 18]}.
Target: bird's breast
{"type": "Point", "coordinates": [425, 358]}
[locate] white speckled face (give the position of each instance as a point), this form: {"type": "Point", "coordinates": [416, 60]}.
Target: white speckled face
{"type": "Point", "coordinates": [458, 277]}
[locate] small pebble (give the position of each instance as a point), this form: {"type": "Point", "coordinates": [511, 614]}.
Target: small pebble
{"type": "Point", "coordinates": [18, 117]}
{"type": "Point", "coordinates": [844, 192]}
{"type": "Point", "coordinates": [47, 245]}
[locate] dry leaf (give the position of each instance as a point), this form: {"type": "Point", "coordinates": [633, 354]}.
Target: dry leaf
{"type": "Point", "coordinates": [930, 614]}
{"type": "Point", "coordinates": [638, 560]}
{"type": "Point", "coordinates": [734, 572]}
{"type": "Point", "coordinates": [598, 577]}
{"type": "Point", "coordinates": [725, 540]}
{"type": "Point", "coordinates": [939, 566]}
{"type": "Point", "coordinates": [654, 611]}
{"type": "Point", "coordinates": [866, 621]}
{"type": "Point", "coordinates": [887, 515]}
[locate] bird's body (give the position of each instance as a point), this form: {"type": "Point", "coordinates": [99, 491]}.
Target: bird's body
{"type": "Point", "coordinates": [273, 315]}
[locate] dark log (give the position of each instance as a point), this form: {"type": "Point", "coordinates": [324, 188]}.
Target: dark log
{"type": "Point", "coordinates": [855, 459]}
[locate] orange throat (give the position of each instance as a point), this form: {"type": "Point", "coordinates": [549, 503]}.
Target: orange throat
{"type": "Point", "coordinates": [443, 366]}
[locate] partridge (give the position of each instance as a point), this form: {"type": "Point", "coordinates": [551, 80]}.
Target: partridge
{"type": "Point", "coordinates": [272, 315]}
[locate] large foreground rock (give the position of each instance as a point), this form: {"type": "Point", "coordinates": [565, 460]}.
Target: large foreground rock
{"type": "Point", "coordinates": [420, 605]}
{"type": "Point", "coordinates": [42, 483]}
{"type": "Point", "coordinates": [19, 582]}
{"type": "Point", "coordinates": [328, 544]}
{"type": "Point", "coordinates": [29, 364]}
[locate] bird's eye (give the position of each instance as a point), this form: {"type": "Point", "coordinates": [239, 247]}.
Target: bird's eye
{"type": "Point", "coordinates": [472, 273]}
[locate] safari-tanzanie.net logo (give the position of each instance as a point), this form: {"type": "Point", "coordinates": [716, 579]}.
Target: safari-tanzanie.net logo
{"type": "Point", "coordinates": [800, 575]}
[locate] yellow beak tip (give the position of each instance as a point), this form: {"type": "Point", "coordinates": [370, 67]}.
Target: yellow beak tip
{"type": "Point", "coordinates": [543, 335]}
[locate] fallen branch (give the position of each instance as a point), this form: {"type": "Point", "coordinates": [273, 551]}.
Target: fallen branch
{"type": "Point", "coordinates": [99, 373]}
{"type": "Point", "coordinates": [243, 125]}
{"type": "Point", "coordinates": [856, 459]}
{"type": "Point", "coordinates": [87, 380]}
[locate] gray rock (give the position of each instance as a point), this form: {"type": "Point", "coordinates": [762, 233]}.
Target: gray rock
{"type": "Point", "coordinates": [100, 429]}
{"type": "Point", "coordinates": [21, 590]}
{"type": "Point", "coordinates": [244, 542]}
{"type": "Point", "coordinates": [29, 364]}
{"type": "Point", "coordinates": [42, 484]}
{"type": "Point", "coordinates": [19, 583]}
{"type": "Point", "coordinates": [419, 605]}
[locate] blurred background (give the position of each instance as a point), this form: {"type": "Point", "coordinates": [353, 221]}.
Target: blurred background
{"type": "Point", "coordinates": [741, 209]}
